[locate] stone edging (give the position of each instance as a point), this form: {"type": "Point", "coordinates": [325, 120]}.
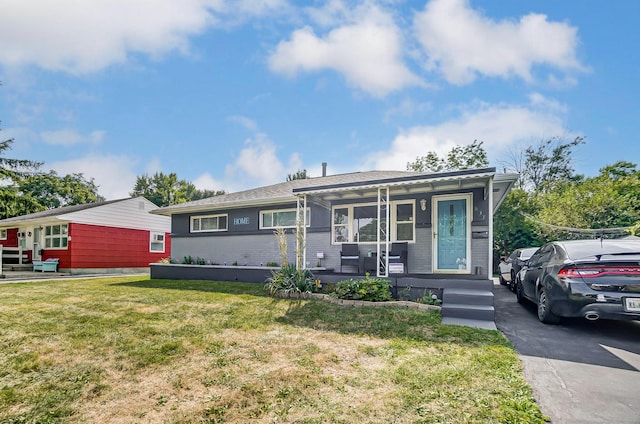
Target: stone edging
{"type": "Point", "coordinates": [361, 303]}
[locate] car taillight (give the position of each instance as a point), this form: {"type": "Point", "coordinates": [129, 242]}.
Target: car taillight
{"type": "Point", "coordinates": [591, 272]}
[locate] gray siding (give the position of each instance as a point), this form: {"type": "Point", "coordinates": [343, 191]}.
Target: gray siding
{"type": "Point", "coordinates": [248, 245]}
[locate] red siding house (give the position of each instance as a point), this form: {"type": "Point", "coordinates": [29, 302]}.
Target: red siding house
{"type": "Point", "coordinates": [101, 237]}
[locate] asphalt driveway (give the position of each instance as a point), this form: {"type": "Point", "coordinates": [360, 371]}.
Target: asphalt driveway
{"type": "Point", "coordinates": [580, 371]}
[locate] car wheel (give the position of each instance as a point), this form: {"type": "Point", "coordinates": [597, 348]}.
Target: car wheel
{"type": "Point", "coordinates": [512, 283]}
{"type": "Point", "coordinates": [544, 309]}
{"type": "Point", "coordinates": [519, 292]}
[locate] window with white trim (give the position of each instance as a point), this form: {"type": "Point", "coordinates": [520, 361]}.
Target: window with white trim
{"type": "Point", "coordinates": [403, 214]}
{"type": "Point", "coordinates": [209, 223]}
{"type": "Point", "coordinates": [282, 218]}
{"type": "Point", "coordinates": [3, 234]}
{"type": "Point", "coordinates": [340, 227]}
{"type": "Point", "coordinates": [56, 236]}
{"type": "Point", "coordinates": [156, 242]}
{"type": "Point", "coordinates": [358, 223]}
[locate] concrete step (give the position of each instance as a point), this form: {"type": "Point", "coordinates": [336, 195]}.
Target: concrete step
{"type": "Point", "coordinates": [477, 312]}
{"type": "Point", "coordinates": [466, 296]}
{"type": "Point", "coordinates": [476, 323]}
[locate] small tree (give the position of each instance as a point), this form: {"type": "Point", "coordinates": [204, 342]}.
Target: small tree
{"type": "Point", "coordinates": [459, 158]}
{"type": "Point", "coordinates": [298, 175]}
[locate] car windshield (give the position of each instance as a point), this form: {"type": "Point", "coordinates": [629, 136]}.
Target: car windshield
{"type": "Point", "coordinates": [584, 249]}
{"type": "Point", "coordinates": [526, 253]}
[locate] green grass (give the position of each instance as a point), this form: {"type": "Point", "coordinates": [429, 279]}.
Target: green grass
{"type": "Point", "coordinates": [126, 349]}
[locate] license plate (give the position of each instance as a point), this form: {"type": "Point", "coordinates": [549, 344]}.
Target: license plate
{"type": "Point", "coordinates": [632, 304]}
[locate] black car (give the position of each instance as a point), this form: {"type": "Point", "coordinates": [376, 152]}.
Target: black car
{"type": "Point", "coordinates": [583, 278]}
{"type": "Point", "coordinates": [510, 266]}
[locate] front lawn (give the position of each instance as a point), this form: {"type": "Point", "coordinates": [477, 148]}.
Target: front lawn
{"type": "Point", "coordinates": [127, 349]}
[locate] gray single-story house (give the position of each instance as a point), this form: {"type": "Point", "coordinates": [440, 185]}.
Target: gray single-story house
{"type": "Point", "coordinates": [423, 231]}
{"type": "Point", "coordinates": [441, 222]}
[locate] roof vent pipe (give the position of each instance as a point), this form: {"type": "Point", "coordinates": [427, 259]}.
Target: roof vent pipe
{"type": "Point", "coordinates": [324, 169]}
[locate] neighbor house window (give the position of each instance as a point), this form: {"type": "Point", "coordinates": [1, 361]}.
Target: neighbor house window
{"type": "Point", "coordinates": [56, 236]}
{"type": "Point", "coordinates": [156, 242]}
{"type": "Point", "coordinates": [283, 218]}
{"type": "Point", "coordinates": [3, 234]}
{"type": "Point", "coordinates": [208, 223]}
{"type": "Point", "coordinates": [358, 223]}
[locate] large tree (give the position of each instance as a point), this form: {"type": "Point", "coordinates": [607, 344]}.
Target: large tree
{"type": "Point", "coordinates": [53, 191]}
{"type": "Point", "coordinates": [547, 163]}
{"type": "Point", "coordinates": [598, 205]}
{"type": "Point", "coordinates": [458, 158]}
{"type": "Point", "coordinates": [13, 202]}
{"type": "Point", "coordinates": [166, 189]}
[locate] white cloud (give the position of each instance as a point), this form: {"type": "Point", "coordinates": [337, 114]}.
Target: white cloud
{"type": "Point", "coordinates": [366, 51]}
{"type": "Point", "coordinates": [500, 127]}
{"type": "Point", "coordinates": [332, 13]}
{"type": "Point", "coordinates": [463, 43]}
{"type": "Point", "coordinates": [70, 137]}
{"type": "Point", "coordinates": [247, 123]}
{"type": "Point", "coordinates": [114, 175]}
{"type": "Point", "coordinates": [207, 182]}
{"type": "Point", "coordinates": [86, 36]}
{"type": "Point", "coordinates": [257, 165]}
{"type": "Point", "coordinates": [153, 166]}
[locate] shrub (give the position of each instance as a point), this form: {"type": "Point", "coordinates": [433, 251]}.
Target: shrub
{"type": "Point", "coordinates": [370, 289]}
{"type": "Point", "coordinates": [289, 281]}
{"type": "Point", "coordinates": [272, 264]}
{"type": "Point", "coordinates": [428, 298]}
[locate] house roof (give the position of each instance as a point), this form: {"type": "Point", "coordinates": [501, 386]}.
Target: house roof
{"type": "Point", "coordinates": [322, 188]}
{"type": "Point", "coordinates": [57, 212]}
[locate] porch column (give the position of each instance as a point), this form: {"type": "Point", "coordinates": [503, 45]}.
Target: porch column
{"type": "Point", "coordinates": [383, 236]}
{"type": "Point", "coordinates": [301, 233]}
{"type": "Point", "coordinates": [491, 211]}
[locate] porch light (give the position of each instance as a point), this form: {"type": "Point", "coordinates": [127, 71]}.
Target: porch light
{"type": "Point", "coordinates": [423, 204]}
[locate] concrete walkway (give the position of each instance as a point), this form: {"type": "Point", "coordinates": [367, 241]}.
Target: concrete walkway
{"type": "Point", "coordinates": [28, 276]}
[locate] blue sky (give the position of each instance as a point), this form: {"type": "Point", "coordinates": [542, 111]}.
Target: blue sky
{"type": "Point", "coordinates": [237, 94]}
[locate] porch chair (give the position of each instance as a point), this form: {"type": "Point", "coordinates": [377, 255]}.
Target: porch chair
{"type": "Point", "coordinates": [350, 256]}
{"type": "Point", "coordinates": [399, 253]}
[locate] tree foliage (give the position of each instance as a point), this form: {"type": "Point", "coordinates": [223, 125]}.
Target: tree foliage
{"type": "Point", "coordinates": [458, 158]}
{"type": "Point", "coordinates": [166, 189]}
{"type": "Point", "coordinates": [12, 170]}
{"type": "Point", "coordinates": [609, 200]}
{"type": "Point", "coordinates": [53, 191]}
{"type": "Point", "coordinates": [25, 189]}
{"type": "Point", "coordinates": [547, 163]}
{"type": "Point", "coordinates": [554, 203]}
{"type": "Point", "coordinates": [298, 175]}
{"type": "Point", "coordinates": [511, 227]}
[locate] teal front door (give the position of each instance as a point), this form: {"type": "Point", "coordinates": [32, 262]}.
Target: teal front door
{"type": "Point", "coordinates": [452, 233]}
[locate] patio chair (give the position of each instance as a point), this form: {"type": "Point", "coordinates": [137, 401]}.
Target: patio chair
{"type": "Point", "coordinates": [350, 256]}
{"type": "Point", "coordinates": [398, 254]}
